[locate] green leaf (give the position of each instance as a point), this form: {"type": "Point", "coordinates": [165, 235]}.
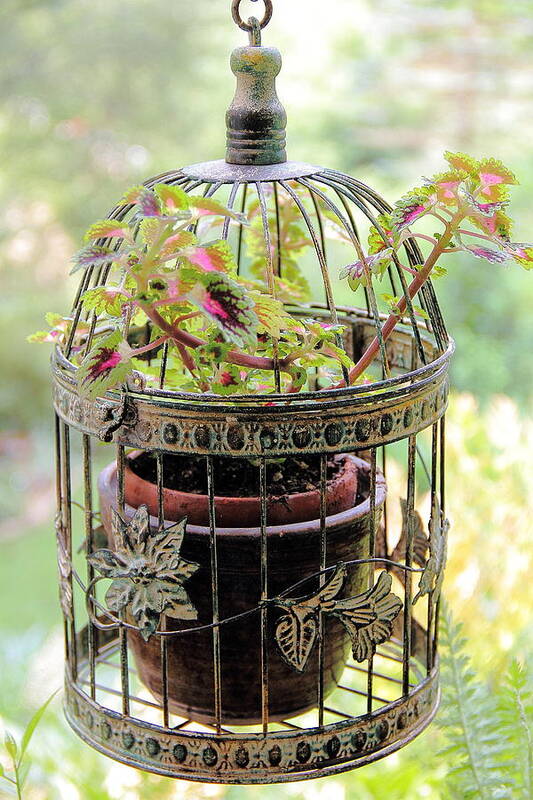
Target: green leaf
{"type": "Point", "coordinates": [109, 229]}
{"type": "Point", "coordinates": [106, 366]}
{"type": "Point", "coordinates": [462, 162]}
{"type": "Point", "coordinates": [172, 198]}
{"type": "Point", "coordinates": [11, 745]}
{"type": "Point", "coordinates": [205, 206]}
{"type": "Point", "coordinates": [32, 725]}
{"type": "Point", "coordinates": [104, 300]}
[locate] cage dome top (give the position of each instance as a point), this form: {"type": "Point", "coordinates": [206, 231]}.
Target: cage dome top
{"type": "Point", "coordinates": [286, 229]}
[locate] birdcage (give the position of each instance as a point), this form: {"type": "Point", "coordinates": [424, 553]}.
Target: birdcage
{"type": "Point", "coordinates": [311, 643]}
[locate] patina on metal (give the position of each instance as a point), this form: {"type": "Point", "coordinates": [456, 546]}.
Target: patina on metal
{"type": "Point", "coordinates": [256, 119]}
{"type": "Point", "coordinates": [136, 585]}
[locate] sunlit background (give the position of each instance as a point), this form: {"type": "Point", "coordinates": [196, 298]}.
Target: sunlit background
{"type": "Point", "coordinates": [99, 94]}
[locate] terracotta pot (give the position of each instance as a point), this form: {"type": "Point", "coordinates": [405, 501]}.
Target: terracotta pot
{"type": "Point", "coordinates": [298, 507]}
{"type": "Point", "coordinates": [293, 554]}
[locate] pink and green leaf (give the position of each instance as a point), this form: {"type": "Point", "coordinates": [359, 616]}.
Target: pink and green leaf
{"type": "Point", "coordinates": [106, 366]}
{"type": "Point", "coordinates": [145, 200]}
{"type": "Point", "coordinates": [411, 207]}
{"type": "Point", "coordinates": [176, 243]}
{"type": "Point", "coordinates": [489, 254]}
{"type": "Point", "coordinates": [498, 224]}
{"type": "Point", "coordinates": [521, 253]}
{"type": "Point", "coordinates": [173, 199]}
{"type": "Point", "coordinates": [217, 257]}
{"type": "Point", "coordinates": [376, 240]}
{"type": "Point", "coordinates": [493, 173]}
{"type": "Point", "coordinates": [227, 305]}
{"type": "Point", "coordinates": [109, 229]}
{"type": "Point", "coordinates": [376, 263]}
{"type": "Point", "coordinates": [206, 206]}
{"type": "Point", "coordinates": [92, 256]}
{"type": "Point", "coordinates": [446, 185]}
{"type": "Point", "coordinates": [105, 300]}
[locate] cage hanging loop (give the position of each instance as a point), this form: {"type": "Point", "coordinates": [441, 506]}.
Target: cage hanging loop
{"type": "Point", "coordinates": [249, 26]}
{"type": "Point", "coordinates": [254, 35]}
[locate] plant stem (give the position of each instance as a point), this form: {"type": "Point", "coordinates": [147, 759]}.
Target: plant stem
{"type": "Point", "coordinates": [189, 340]}
{"type": "Point", "coordinates": [150, 346]}
{"type": "Point", "coordinates": [414, 287]}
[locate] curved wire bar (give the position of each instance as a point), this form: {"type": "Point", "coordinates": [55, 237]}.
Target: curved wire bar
{"type": "Point", "coordinates": [270, 601]}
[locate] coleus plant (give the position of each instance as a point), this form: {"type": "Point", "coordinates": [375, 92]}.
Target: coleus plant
{"type": "Point", "coordinates": [224, 333]}
{"type": "Point", "coordinates": [469, 200]}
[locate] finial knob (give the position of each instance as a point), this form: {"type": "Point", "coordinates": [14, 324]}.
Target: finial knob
{"type": "Point", "coordinates": [256, 119]}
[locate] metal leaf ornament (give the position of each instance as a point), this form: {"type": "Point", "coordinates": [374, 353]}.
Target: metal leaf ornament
{"type": "Point", "coordinates": [296, 631]}
{"type": "Point", "coordinates": [420, 540]}
{"type": "Point", "coordinates": [367, 617]}
{"type": "Point", "coordinates": [147, 570]}
{"type": "Point", "coordinates": [433, 575]}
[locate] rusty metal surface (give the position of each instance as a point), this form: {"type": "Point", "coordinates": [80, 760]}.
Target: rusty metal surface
{"type": "Point", "coordinates": [253, 758]}
{"type": "Point", "coordinates": [155, 425]}
{"type": "Point", "coordinates": [256, 119]}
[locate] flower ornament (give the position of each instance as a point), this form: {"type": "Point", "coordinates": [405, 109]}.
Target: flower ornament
{"type": "Point", "coordinates": [147, 571]}
{"type": "Point", "coordinates": [368, 618]}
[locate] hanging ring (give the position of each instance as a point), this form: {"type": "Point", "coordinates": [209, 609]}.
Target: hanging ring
{"type": "Point", "coordinates": [246, 26]}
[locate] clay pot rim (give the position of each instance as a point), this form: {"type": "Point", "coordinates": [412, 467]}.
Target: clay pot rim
{"type": "Point", "coordinates": [107, 481]}
{"type": "Point", "coordinates": [220, 498]}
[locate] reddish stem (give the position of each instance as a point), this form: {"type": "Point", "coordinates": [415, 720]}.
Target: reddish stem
{"type": "Point", "coordinates": [414, 287]}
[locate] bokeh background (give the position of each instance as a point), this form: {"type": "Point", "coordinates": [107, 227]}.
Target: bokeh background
{"type": "Point", "coordinates": [98, 94]}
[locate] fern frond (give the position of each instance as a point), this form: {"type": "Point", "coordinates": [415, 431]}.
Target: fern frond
{"type": "Point", "coordinates": [470, 720]}
{"type": "Point", "coordinates": [516, 717]}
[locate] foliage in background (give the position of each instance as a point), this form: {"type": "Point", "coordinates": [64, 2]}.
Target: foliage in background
{"type": "Point", "coordinates": [16, 775]}
{"type": "Point", "coordinates": [488, 728]}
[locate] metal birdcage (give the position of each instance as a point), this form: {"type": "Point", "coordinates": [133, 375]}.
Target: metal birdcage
{"type": "Point", "coordinates": [311, 646]}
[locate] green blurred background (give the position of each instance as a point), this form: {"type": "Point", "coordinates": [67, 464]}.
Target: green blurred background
{"type": "Point", "coordinates": [96, 96]}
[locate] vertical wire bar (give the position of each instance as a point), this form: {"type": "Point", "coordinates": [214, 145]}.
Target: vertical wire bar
{"type": "Point", "coordinates": [322, 567]}
{"type": "Point", "coordinates": [372, 552]}
{"type": "Point", "coordinates": [442, 477]}
{"type": "Point", "coordinates": [264, 595]}
{"type": "Point", "coordinates": [357, 245]}
{"type": "Point", "coordinates": [239, 241]}
{"type": "Point", "coordinates": [163, 641]}
{"type": "Point", "coordinates": [67, 529]}
{"type": "Point", "coordinates": [321, 260]}
{"type": "Point", "coordinates": [214, 593]}
{"type": "Point", "coordinates": [59, 512]}
{"type": "Point", "coordinates": [231, 201]}
{"type": "Point", "coordinates": [123, 635]}
{"type": "Point", "coordinates": [92, 632]}
{"type": "Point", "coordinates": [270, 275]}
{"type": "Point", "coordinates": [164, 362]}
{"type": "Point", "coordinates": [429, 630]}
{"type": "Point", "coordinates": [278, 229]}
{"type": "Point", "coordinates": [411, 466]}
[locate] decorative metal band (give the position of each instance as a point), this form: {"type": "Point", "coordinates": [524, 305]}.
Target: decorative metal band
{"type": "Point", "coordinates": [150, 425]}
{"type": "Point", "coordinates": [253, 758]}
